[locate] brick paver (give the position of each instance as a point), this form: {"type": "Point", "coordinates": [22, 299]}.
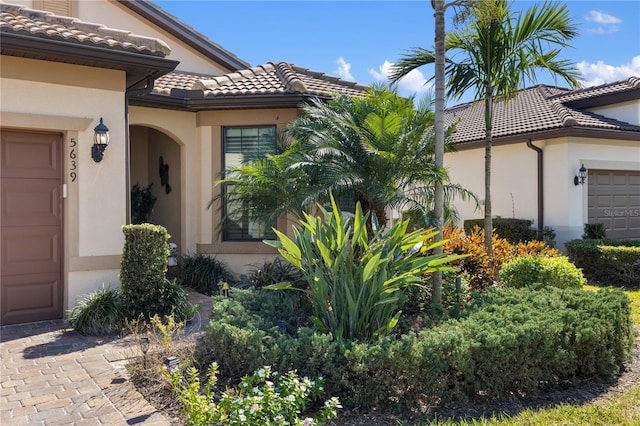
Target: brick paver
{"type": "Point", "coordinates": [51, 375]}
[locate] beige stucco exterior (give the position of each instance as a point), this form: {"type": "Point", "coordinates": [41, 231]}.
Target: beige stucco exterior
{"type": "Point", "coordinates": [514, 186]}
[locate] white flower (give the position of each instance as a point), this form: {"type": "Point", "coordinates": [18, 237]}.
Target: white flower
{"type": "Point", "coordinates": [243, 418]}
{"type": "Point", "coordinates": [291, 398]}
{"type": "Point", "coordinates": [261, 373]}
{"type": "Point", "coordinates": [256, 390]}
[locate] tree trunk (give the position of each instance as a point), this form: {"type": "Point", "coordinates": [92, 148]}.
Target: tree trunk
{"type": "Point", "coordinates": [438, 204]}
{"type": "Point", "coordinates": [488, 222]}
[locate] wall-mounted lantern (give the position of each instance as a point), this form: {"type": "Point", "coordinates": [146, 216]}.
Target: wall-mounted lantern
{"type": "Point", "coordinates": [582, 176]}
{"type": "Point", "coordinates": [100, 141]}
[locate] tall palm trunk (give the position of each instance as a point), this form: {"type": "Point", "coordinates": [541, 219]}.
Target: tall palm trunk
{"type": "Point", "coordinates": [438, 209]}
{"type": "Point", "coordinates": [488, 116]}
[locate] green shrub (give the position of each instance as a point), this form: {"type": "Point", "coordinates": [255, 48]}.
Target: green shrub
{"type": "Point", "coordinates": [145, 291]}
{"type": "Point", "coordinates": [98, 313]}
{"type": "Point", "coordinates": [508, 341]}
{"type": "Point", "coordinates": [275, 272]}
{"type": "Point", "coordinates": [202, 273]}
{"type": "Point", "coordinates": [512, 230]}
{"type": "Point", "coordinates": [142, 202]}
{"type": "Point", "coordinates": [594, 231]}
{"type": "Point", "coordinates": [613, 264]}
{"type": "Point", "coordinates": [624, 261]}
{"type": "Point", "coordinates": [356, 281]}
{"type": "Point", "coordinates": [263, 398]}
{"type": "Point", "coordinates": [540, 271]}
{"type": "Point", "coordinates": [625, 243]}
{"type": "Point", "coordinates": [479, 267]}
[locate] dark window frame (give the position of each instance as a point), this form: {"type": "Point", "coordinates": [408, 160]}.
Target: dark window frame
{"type": "Point", "coordinates": [242, 233]}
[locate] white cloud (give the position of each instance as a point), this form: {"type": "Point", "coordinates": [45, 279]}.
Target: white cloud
{"type": "Point", "coordinates": [601, 73]}
{"type": "Point", "coordinates": [602, 18]}
{"type": "Point", "coordinates": [414, 82]}
{"type": "Point", "coordinates": [344, 69]}
{"type": "Point", "coordinates": [607, 23]}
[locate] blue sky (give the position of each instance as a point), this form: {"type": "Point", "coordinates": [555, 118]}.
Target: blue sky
{"type": "Point", "coordinates": [359, 40]}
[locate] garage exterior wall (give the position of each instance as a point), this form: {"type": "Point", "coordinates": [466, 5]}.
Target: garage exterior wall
{"type": "Point", "coordinates": [514, 170]}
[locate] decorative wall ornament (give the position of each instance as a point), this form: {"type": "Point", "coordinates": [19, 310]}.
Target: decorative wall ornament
{"type": "Point", "coordinates": [164, 175]}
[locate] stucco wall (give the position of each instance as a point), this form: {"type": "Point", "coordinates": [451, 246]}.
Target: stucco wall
{"type": "Point", "coordinates": [70, 100]}
{"type": "Point", "coordinates": [628, 112]}
{"type": "Point", "coordinates": [114, 15]}
{"type": "Point", "coordinates": [240, 256]}
{"type": "Point", "coordinates": [515, 175]}
{"type": "Point", "coordinates": [173, 135]}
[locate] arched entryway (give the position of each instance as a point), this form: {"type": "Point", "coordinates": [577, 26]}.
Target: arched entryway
{"type": "Point", "coordinates": [155, 164]}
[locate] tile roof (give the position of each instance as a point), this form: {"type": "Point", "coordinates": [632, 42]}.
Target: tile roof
{"type": "Point", "coordinates": [537, 109]}
{"type": "Point", "coordinates": [272, 78]}
{"type": "Point", "coordinates": [18, 19]}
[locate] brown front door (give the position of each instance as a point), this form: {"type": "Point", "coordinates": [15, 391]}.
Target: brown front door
{"type": "Point", "coordinates": [31, 236]}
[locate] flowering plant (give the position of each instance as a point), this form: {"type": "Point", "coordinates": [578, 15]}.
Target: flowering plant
{"type": "Point", "coordinates": [263, 398]}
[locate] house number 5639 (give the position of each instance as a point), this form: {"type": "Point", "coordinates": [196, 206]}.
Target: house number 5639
{"type": "Point", "coordinates": [72, 156]}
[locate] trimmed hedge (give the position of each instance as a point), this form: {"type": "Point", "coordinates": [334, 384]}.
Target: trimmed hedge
{"type": "Point", "coordinates": [540, 271]}
{"type": "Point", "coordinates": [512, 230]}
{"type": "Point", "coordinates": [607, 264]}
{"type": "Point", "coordinates": [145, 291]}
{"type": "Point", "coordinates": [512, 340]}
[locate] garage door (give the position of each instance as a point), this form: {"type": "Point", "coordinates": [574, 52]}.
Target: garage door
{"type": "Point", "coordinates": [614, 200]}
{"type": "Point", "coordinates": [31, 288]}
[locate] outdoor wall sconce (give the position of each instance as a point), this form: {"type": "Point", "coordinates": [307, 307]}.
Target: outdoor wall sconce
{"type": "Point", "coordinates": [100, 141]}
{"type": "Point", "coordinates": [582, 176]}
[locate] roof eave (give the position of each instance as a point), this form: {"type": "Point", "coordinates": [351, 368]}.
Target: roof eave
{"type": "Point", "coordinates": [195, 104]}
{"type": "Point", "coordinates": [186, 34]}
{"type": "Point", "coordinates": [139, 67]}
{"type": "Point", "coordinates": [604, 100]}
{"type": "Point", "coordinates": [575, 131]}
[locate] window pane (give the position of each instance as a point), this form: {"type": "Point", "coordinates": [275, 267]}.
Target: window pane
{"type": "Point", "coordinates": [243, 145]}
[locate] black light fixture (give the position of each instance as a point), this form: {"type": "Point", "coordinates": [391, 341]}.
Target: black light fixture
{"type": "Point", "coordinates": [144, 345]}
{"type": "Point", "coordinates": [172, 364]}
{"type": "Point", "coordinates": [582, 176]}
{"type": "Point", "coordinates": [100, 141]}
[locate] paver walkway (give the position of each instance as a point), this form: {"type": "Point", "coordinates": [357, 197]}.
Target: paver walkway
{"type": "Point", "coordinates": [52, 375]}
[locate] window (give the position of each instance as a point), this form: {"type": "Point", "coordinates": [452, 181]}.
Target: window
{"type": "Point", "coordinates": [242, 145]}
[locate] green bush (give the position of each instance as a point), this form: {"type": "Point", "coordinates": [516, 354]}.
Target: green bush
{"type": "Point", "coordinates": [98, 313]}
{"type": "Point", "coordinates": [512, 230]}
{"type": "Point", "coordinates": [539, 271]}
{"type": "Point", "coordinates": [142, 202]}
{"type": "Point", "coordinates": [611, 264]}
{"type": "Point", "coordinates": [594, 231]}
{"type": "Point", "coordinates": [261, 399]}
{"type": "Point", "coordinates": [509, 341]}
{"type": "Point", "coordinates": [356, 280]}
{"type": "Point", "coordinates": [275, 272]}
{"type": "Point", "coordinates": [202, 273]}
{"type": "Point", "coordinates": [145, 291]}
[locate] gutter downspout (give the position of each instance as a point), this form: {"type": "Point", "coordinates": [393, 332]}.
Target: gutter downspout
{"type": "Point", "coordinates": [540, 188]}
{"type": "Point", "coordinates": [127, 155]}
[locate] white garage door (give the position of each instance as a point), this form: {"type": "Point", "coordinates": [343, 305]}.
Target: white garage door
{"type": "Point", "coordinates": [614, 200]}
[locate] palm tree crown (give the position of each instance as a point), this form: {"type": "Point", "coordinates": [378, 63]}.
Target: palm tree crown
{"type": "Point", "coordinates": [495, 55]}
{"type": "Point", "coordinates": [376, 149]}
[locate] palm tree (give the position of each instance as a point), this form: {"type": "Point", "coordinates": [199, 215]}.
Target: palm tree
{"type": "Point", "coordinates": [501, 51]}
{"type": "Point", "coordinates": [439, 8]}
{"type": "Point", "coordinates": [376, 149]}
